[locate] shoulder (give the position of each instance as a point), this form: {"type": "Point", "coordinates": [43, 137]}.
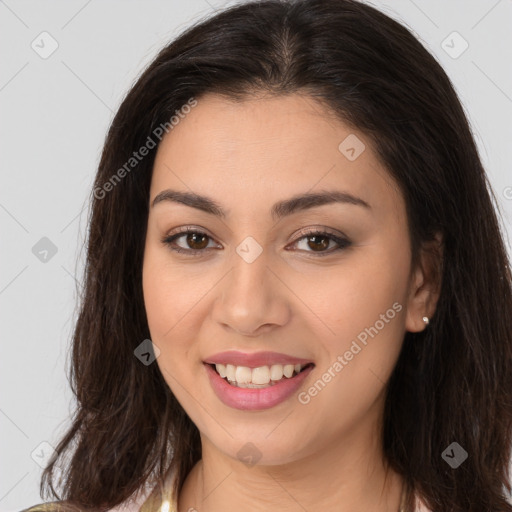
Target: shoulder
{"type": "Point", "coordinates": [62, 506]}
{"type": "Point", "coordinates": [53, 506]}
{"type": "Point", "coordinates": [132, 504]}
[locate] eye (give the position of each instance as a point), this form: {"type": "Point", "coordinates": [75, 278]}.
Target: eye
{"type": "Point", "coordinates": [194, 238]}
{"type": "Point", "coordinates": [198, 242]}
{"type": "Point", "coordinates": [320, 240]}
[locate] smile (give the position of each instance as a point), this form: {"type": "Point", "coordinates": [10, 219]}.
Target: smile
{"type": "Point", "coordinates": [257, 378]}
{"type": "Point", "coordinates": [257, 381]}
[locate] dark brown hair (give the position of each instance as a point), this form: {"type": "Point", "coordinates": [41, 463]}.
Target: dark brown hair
{"type": "Point", "coordinates": [452, 381]}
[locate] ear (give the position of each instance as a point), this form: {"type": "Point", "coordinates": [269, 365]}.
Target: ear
{"type": "Point", "coordinates": [425, 285]}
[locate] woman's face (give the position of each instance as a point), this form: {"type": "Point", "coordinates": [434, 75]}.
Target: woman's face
{"type": "Point", "coordinates": [264, 291]}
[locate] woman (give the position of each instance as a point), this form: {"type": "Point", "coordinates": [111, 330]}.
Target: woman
{"type": "Point", "coordinates": [297, 294]}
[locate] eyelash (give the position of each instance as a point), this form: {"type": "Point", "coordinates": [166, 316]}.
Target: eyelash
{"type": "Point", "coordinates": [168, 240]}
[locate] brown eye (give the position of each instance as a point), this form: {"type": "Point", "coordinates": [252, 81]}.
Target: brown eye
{"type": "Point", "coordinates": [318, 242]}
{"type": "Point", "coordinates": [195, 242]}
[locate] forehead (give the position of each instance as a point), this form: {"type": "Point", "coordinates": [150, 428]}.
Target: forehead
{"type": "Point", "coordinates": [268, 148]}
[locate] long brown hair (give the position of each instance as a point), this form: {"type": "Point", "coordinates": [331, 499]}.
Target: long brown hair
{"type": "Point", "coordinates": [452, 381]}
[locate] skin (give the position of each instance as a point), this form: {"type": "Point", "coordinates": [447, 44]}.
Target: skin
{"type": "Point", "coordinates": [325, 455]}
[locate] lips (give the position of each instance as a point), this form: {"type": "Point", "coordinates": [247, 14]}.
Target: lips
{"type": "Point", "coordinates": [254, 396]}
{"type": "Point", "coordinates": [254, 360]}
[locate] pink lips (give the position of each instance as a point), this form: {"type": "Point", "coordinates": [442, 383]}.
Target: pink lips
{"type": "Point", "coordinates": [253, 360]}
{"type": "Point", "coordinates": [252, 399]}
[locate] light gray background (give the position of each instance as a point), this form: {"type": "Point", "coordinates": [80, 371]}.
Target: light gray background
{"type": "Point", "coordinates": [54, 116]}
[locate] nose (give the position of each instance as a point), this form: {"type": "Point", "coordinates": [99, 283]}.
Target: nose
{"type": "Point", "coordinates": [252, 297]}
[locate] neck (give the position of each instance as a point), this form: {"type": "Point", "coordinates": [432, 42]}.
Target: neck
{"type": "Point", "coordinates": [347, 476]}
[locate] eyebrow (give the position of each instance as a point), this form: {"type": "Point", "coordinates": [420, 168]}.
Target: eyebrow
{"type": "Point", "coordinates": [280, 209]}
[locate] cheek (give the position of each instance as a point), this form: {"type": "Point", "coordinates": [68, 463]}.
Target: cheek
{"type": "Point", "coordinates": [353, 294]}
{"type": "Point", "coordinates": [171, 301]}
{"type": "Point", "coordinates": [363, 306]}
{"type": "Point", "coordinates": [166, 302]}
{"type": "Point", "coordinates": [168, 296]}
{"type": "Point", "coordinates": [176, 303]}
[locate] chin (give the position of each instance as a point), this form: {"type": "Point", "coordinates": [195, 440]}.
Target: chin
{"type": "Point", "coordinates": [260, 448]}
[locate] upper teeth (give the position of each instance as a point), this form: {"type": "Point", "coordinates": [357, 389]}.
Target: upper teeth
{"type": "Point", "coordinates": [259, 376]}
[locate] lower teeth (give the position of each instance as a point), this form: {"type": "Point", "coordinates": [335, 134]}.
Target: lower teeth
{"type": "Point", "coordinates": [251, 386]}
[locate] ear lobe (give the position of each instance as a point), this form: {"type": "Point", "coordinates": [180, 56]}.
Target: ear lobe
{"type": "Point", "coordinates": [425, 285]}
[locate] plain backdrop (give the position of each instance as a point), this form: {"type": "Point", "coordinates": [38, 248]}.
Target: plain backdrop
{"type": "Point", "coordinates": [65, 67]}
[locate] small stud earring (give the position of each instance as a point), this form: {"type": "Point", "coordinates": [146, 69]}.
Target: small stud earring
{"type": "Point", "coordinates": [425, 319]}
